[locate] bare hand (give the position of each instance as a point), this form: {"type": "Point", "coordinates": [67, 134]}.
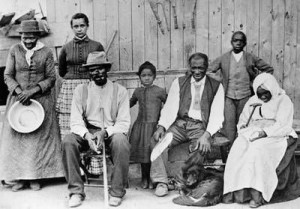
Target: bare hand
{"type": "Point", "coordinates": [100, 136]}
{"type": "Point", "coordinates": [159, 133]}
{"type": "Point", "coordinates": [25, 96]}
{"type": "Point", "coordinates": [91, 140]}
{"type": "Point", "coordinates": [243, 126]}
{"type": "Point", "coordinates": [261, 134]}
{"type": "Point", "coordinates": [204, 144]}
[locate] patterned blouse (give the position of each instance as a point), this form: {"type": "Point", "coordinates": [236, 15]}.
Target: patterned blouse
{"type": "Point", "coordinates": [73, 55]}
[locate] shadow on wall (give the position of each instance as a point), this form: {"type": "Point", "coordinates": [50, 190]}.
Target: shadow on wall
{"type": "Point", "coordinates": [3, 88]}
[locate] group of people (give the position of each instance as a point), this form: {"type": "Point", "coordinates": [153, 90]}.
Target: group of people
{"type": "Point", "coordinates": [92, 111]}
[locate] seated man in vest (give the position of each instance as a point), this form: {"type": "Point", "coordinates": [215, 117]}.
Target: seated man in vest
{"type": "Point", "coordinates": [193, 112]}
{"type": "Point", "coordinates": [86, 120]}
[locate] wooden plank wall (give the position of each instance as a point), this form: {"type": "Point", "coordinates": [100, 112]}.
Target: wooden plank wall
{"type": "Point", "coordinates": [272, 28]}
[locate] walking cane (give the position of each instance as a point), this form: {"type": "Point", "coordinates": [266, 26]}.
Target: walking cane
{"type": "Point", "coordinates": [254, 105]}
{"type": "Point", "coordinates": [104, 164]}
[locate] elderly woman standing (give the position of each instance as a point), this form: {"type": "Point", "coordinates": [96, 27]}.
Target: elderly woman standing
{"type": "Point", "coordinates": [71, 58]}
{"type": "Point", "coordinates": [261, 165]}
{"type": "Point", "coordinates": [29, 74]}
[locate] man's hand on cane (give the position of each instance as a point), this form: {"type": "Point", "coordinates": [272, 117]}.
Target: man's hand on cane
{"type": "Point", "coordinates": [91, 138]}
{"type": "Point", "coordinates": [100, 137]}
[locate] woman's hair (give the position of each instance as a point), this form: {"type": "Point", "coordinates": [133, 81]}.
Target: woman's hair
{"type": "Point", "coordinates": [199, 55]}
{"type": "Point", "coordinates": [147, 65]}
{"type": "Point", "coordinates": [78, 16]}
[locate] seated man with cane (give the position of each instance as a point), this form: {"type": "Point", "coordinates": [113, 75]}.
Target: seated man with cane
{"type": "Point", "coordinates": [86, 120]}
{"type": "Point", "coordinates": [193, 112]}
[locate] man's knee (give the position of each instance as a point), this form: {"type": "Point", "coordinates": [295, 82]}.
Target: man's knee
{"type": "Point", "coordinates": [69, 141]}
{"type": "Point", "coordinates": [120, 142]}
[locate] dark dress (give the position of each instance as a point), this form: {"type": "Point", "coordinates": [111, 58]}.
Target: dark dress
{"type": "Point", "coordinates": [150, 101]}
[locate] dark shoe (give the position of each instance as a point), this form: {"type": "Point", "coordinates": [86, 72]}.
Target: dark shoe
{"type": "Point", "coordinates": [150, 184]}
{"type": "Point", "coordinates": [145, 183]}
{"type": "Point", "coordinates": [161, 190]}
{"type": "Point", "coordinates": [18, 186]}
{"type": "Point", "coordinates": [75, 200]}
{"type": "Point", "coordinates": [34, 185]}
{"type": "Point", "coordinates": [114, 201]}
{"type": "Point", "coordinates": [254, 204]}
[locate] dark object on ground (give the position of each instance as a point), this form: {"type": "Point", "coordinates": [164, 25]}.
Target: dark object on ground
{"type": "Point", "coordinates": [199, 186]}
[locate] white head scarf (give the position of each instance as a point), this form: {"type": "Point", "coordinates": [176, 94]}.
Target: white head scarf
{"type": "Point", "coordinates": [268, 82]}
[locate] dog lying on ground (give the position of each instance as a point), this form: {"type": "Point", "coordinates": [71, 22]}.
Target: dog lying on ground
{"type": "Point", "coordinates": [199, 186]}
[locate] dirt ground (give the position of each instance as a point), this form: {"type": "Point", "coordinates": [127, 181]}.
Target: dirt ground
{"type": "Point", "coordinates": [54, 195]}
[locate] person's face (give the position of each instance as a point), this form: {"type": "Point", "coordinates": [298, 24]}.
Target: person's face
{"type": "Point", "coordinates": [79, 27]}
{"type": "Point", "coordinates": [198, 68]}
{"type": "Point", "coordinates": [98, 74]}
{"type": "Point", "coordinates": [263, 94]}
{"type": "Point", "coordinates": [147, 77]}
{"type": "Point", "coordinates": [29, 40]}
{"type": "Point", "coordinates": [238, 43]}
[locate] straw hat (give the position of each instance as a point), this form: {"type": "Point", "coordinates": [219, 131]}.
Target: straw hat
{"type": "Point", "coordinates": [26, 119]}
{"type": "Point", "coordinates": [29, 26]}
{"type": "Point", "coordinates": [97, 59]}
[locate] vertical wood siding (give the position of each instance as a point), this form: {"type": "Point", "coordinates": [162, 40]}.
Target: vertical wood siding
{"type": "Point", "coordinates": [272, 28]}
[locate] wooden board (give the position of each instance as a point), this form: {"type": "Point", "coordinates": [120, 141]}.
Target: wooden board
{"type": "Point", "coordinates": [290, 50]}
{"type": "Point", "coordinates": [202, 26]}
{"type": "Point", "coordinates": [150, 36]}
{"type": "Point", "coordinates": [278, 38]}
{"type": "Point", "coordinates": [125, 35]}
{"type": "Point", "coordinates": [164, 42]}
{"type": "Point", "coordinates": [215, 28]}
{"type": "Point", "coordinates": [227, 24]}
{"type": "Point", "coordinates": [138, 33]}
{"type": "Point", "coordinates": [99, 16]}
{"type": "Point", "coordinates": [112, 24]}
{"type": "Point", "coordinates": [176, 58]}
{"type": "Point", "coordinates": [252, 22]}
{"type": "Point", "coordinates": [265, 30]}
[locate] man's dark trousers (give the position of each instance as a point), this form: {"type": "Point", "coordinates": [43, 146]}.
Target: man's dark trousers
{"type": "Point", "coordinates": [73, 144]}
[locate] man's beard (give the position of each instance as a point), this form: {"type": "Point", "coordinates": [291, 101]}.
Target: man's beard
{"type": "Point", "coordinates": [100, 81]}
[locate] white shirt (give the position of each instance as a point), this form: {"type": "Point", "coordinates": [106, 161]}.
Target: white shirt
{"type": "Point", "coordinates": [238, 56]}
{"type": "Point", "coordinates": [100, 97]}
{"type": "Point", "coordinates": [169, 112]}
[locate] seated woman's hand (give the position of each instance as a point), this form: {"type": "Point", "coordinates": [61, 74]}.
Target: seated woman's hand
{"type": "Point", "coordinates": [260, 134]}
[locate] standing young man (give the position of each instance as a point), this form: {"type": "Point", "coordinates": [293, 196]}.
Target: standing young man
{"type": "Point", "coordinates": [238, 69]}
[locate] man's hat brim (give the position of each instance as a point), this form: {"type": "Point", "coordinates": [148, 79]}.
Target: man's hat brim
{"type": "Point", "coordinates": [107, 64]}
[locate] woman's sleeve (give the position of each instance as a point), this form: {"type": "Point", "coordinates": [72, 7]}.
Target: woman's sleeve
{"type": "Point", "coordinates": [62, 62]}
{"type": "Point", "coordinates": [10, 72]}
{"type": "Point", "coordinates": [50, 76]}
{"type": "Point", "coordinates": [284, 119]}
{"type": "Point", "coordinates": [245, 114]}
{"type": "Point", "coordinates": [133, 99]}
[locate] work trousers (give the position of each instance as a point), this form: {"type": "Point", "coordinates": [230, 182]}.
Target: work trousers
{"type": "Point", "coordinates": [233, 109]}
{"type": "Point", "coordinates": [183, 131]}
{"type": "Point", "coordinates": [119, 146]}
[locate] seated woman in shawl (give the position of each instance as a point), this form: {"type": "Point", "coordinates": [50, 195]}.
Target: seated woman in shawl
{"type": "Point", "coordinates": [261, 165]}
